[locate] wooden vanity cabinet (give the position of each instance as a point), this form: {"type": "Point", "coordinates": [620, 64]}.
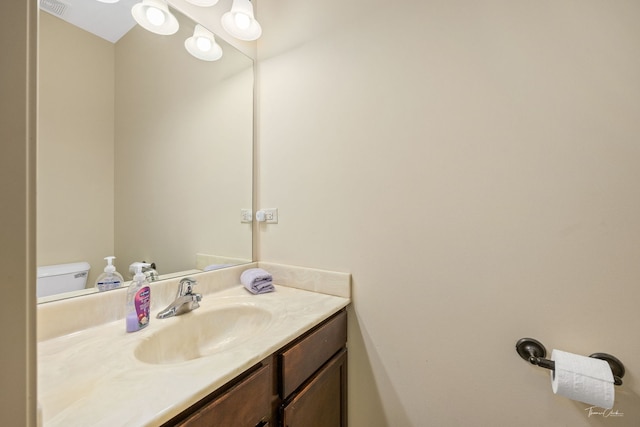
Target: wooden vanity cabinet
{"type": "Point", "coordinates": [247, 401]}
{"type": "Point", "coordinates": [302, 385]}
{"type": "Point", "coordinates": [313, 377]}
{"type": "Point", "coordinates": [322, 402]}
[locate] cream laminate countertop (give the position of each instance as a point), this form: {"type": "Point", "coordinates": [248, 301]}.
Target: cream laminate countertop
{"type": "Point", "coordinates": [92, 377]}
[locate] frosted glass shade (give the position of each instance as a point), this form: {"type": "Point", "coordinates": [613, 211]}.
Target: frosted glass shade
{"type": "Point", "coordinates": [154, 16]}
{"type": "Point", "coordinates": [203, 45]}
{"type": "Point", "coordinates": [240, 22]}
{"type": "Point", "coordinates": [203, 3]}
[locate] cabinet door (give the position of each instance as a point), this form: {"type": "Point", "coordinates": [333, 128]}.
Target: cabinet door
{"type": "Point", "coordinates": [306, 356]}
{"type": "Point", "coordinates": [322, 402]}
{"type": "Point", "coordinates": [247, 404]}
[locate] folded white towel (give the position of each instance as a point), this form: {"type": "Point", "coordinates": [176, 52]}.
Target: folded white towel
{"type": "Point", "coordinates": [257, 280]}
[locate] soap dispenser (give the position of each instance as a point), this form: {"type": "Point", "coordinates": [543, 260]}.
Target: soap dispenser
{"type": "Point", "coordinates": [138, 301]}
{"type": "Point", "coordinates": [110, 279]}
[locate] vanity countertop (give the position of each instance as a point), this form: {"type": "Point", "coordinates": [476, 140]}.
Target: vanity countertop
{"type": "Point", "coordinates": [92, 377]}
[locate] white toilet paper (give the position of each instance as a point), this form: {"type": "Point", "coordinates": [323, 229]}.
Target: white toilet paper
{"type": "Point", "coordinates": [582, 378]}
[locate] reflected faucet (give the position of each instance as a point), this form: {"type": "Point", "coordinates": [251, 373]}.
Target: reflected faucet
{"type": "Point", "coordinates": [185, 301]}
{"type": "Point", "coordinates": [150, 272]}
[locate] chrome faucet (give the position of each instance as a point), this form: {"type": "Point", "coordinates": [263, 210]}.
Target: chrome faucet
{"type": "Point", "coordinates": [185, 301]}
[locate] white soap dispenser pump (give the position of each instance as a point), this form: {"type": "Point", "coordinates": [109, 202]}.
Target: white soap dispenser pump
{"type": "Point", "coordinates": [110, 279]}
{"type": "Point", "coordinates": [138, 301]}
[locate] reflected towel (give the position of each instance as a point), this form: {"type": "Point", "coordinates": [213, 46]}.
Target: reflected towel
{"type": "Point", "coordinates": [216, 267]}
{"type": "Point", "coordinates": [257, 281]}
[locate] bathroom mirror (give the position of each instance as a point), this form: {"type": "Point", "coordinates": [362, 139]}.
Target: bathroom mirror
{"type": "Point", "coordinates": [144, 151]}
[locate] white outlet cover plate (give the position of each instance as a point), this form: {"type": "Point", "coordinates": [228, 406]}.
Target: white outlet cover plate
{"type": "Point", "coordinates": [246, 215]}
{"type": "Point", "coordinates": [271, 215]}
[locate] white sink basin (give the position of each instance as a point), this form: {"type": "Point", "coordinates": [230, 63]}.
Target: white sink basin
{"type": "Point", "coordinates": [203, 333]}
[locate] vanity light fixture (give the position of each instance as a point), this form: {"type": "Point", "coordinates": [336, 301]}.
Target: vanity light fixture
{"type": "Point", "coordinates": [203, 45]}
{"type": "Point", "coordinates": [154, 15]}
{"type": "Point", "coordinates": [240, 23]}
{"type": "Point", "coordinates": [108, 1]}
{"type": "Point", "coordinates": [203, 3]}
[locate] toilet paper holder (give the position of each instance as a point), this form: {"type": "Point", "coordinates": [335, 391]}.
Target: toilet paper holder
{"type": "Point", "coordinates": [534, 352]}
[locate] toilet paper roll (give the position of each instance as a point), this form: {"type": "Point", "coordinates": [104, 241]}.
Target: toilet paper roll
{"type": "Point", "coordinates": [582, 378]}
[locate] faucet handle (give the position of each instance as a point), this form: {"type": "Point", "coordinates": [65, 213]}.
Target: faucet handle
{"type": "Point", "coordinates": [196, 301]}
{"type": "Point", "coordinates": [186, 286]}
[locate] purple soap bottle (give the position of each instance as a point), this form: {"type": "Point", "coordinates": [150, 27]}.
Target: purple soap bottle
{"type": "Point", "coordinates": [138, 301]}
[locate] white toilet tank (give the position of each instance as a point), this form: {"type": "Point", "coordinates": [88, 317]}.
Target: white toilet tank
{"type": "Point", "coordinates": [55, 279]}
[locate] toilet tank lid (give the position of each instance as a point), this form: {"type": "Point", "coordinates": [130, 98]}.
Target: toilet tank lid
{"type": "Point", "coordinates": [60, 269]}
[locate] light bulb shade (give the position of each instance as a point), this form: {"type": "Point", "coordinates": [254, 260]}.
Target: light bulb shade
{"type": "Point", "coordinates": [142, 11]}
{"type": "Point", "coordinates": [197, 48]}
{"type": "Point", "coordinates": [249, 29]}
{"type": "Point", "coordinates": [203, 3]}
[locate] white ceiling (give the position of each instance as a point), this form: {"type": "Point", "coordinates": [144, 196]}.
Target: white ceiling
{"type": "Point", "coordinates": [107, 20]}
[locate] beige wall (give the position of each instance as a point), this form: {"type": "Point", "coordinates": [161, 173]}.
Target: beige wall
{"type": "Point", "coordinates": [183, 152]}
{"type": "Point", "coordinates": [476, 182]}
{"type": "Point", "coordinates": [105, 106]}
{"type": "Point", "coordinates": [75, 146]}
{"type": "Point", "coordinates": [17, 225]}
{"type": "Point", "coordinates": [474, 165]}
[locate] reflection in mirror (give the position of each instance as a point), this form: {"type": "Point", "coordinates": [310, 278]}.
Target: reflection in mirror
{"type": "Point", "coordinates": [144, 151]}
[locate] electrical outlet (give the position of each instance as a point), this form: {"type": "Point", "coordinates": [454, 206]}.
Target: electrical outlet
{"type": "Point", "coordinates": [271, 215]}
{"type": "Point", "coordinates": [246, 215]}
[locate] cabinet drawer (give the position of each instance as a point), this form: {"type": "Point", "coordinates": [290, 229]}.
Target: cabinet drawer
{"type": "Point", "coordinates": [247, 404]}
{"type": "Point", "coordinates": [322, 402]}
{"type": "Point", "coordinates": [299, 361]}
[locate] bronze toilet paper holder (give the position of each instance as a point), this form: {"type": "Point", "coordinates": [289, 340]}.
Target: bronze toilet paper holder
{"type": "Point", "coordinates": [534, 352]}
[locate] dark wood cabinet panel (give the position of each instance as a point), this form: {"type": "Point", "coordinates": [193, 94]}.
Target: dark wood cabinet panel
{"type": "Point", "coordinates": [246, 404]}
{"type": "Point", "coordinates": [322, 402]}
{"type": "Point", "coordinates": [299, 361]}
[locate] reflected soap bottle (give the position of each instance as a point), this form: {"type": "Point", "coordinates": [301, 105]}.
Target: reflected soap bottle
{"type": "Point", "coordinates": [138, 301]}
{"type": "Point", "coordinates": [110, 279]}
